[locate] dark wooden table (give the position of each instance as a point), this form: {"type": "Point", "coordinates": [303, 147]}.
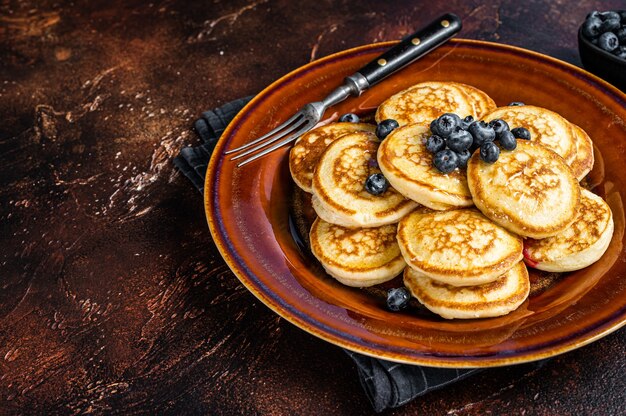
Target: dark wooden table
{"type": "Point", "coordinates": [113, 298]}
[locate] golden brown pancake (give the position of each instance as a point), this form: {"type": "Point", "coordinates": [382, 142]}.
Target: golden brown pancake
{"type": "Point", "coordinates": [339, 194]}
{"type": "Point", "coordinates": [481, 102]}
{"type": "Point", "coordinates": [358, 257]}
{"type": "Point", "coordinates": [583, 162]}
{"type": "Point", "coordinates": [305, 154]}
{"type": "Point", "coordinates": [459, 247]}
{"type": "Point", "coordinates": [530, 190]}
{"type": "Point", "coordinates": [496, 298]}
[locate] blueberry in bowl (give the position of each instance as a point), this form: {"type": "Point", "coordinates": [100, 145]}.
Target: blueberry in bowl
{"type": "Point", "coordinates": [602, 45]}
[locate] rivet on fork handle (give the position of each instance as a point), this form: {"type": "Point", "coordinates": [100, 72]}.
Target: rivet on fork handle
{"type": "Point", "coordinates": [408, 50]}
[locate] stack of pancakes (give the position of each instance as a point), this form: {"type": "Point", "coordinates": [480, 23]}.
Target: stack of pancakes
{"type": "Point", "coordinates": [464, 238]}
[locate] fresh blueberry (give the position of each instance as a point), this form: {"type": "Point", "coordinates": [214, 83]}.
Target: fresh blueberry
{"type": "Point", "coordinates": [433, 127]}
{"type": "Point", "coordinates": [435, 143]}
{"type": "Point", "coordinates": [446, 160]}
{"type": "Point", "coordinates": [591, 27]}
{"type": "Point", "coordinates": [622, 15]}
{"type": "Point", "coordinates": [447, 123]}
{"type": "Point", "coordinates": [611, 23]}
{"type": "Point", "coordinates": [515, 103]}
{"type": "Point", "coordinates": [459, 140]}
{"type": "Point", "coordinates": [499, 126]}
{"type": "Point", "coordinates": [620, 52]}
{"type": "Point", "coordinates": [466, 122]}
{"type": "Point", "coordinates": [376, 184]}
{"type": "Point", "coordinates": [521, 133]}
{"type": "Point", "coordinates": [594, 13]}
{"type": "Point", "coordinates": [398, 298]}
{"type": "Point", "coordinates": [489, 152]}
{"type": "Point", "coordinates": [621, 35]}
{"type": "Point", "coordinates": [385, 127]}
{"type": "Point", "coordinates": [463, 158]}
{"type": "Point", "coordinates": [608, 41]}
{"type": "Point", "coordinates": [507, 141]}
{"type": "Point", "coordinates": [481, 132]}
{"type": "Point", "coordinates": [609, 15]}
{"type": "Point", "coordinates": [349, 118]}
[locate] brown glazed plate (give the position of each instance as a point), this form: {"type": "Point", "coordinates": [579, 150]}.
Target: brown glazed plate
{"type": "Point", "coordinates": [249, 211]}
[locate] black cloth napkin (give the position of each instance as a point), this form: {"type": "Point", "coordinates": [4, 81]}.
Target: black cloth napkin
{"type": "Point", "coordinates": [386, 384]}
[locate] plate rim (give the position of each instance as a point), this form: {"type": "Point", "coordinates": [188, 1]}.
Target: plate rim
{"type": "Point", "coordinates": [311, 326]}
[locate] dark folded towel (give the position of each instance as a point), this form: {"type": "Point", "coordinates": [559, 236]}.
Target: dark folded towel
{"type": "Point", "coordinates": [386, 384]}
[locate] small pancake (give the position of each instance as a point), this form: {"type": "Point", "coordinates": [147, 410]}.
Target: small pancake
{"type": "Point", "coordinates": [357, 257]}
{"type": "Point", "coordinates": [408, 166]}
{"type": "Point", "coordinates": [530, 190]}
{"type": "Point", "coordinates": [497, 298]}
{"type": "Point", "coordinates": [481, 102]}
{"type": "Point", "coordinates": [306, 152]}
{"type": "Point", "coordinates": [424, 102]}
{"type": "Point", "coordinates": [545, 127]}
{"type": "Point", "coordinates": [460, 247]}
{"type": "Point", "coordinates": [583, 162]}
{"type": "Point", "coordinates": [339, 194]}
{"type": "Point", "coordinates": [579, 245]}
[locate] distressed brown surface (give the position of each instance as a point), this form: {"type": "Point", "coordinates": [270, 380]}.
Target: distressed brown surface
{"type": "Point", "coordinates": [113, 298]}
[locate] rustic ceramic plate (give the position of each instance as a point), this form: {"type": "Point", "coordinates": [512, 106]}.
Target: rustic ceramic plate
{"type": "Point", "coordinates": [248, 211]}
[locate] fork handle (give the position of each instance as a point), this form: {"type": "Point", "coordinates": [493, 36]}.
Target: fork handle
{"type": "Point", "coordinates": [409, 49]}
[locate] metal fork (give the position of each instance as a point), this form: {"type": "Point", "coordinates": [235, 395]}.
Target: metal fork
{"type": "Point", "coordinates": [408, 50]}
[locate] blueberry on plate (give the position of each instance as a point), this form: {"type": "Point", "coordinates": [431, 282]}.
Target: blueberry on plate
{"type": "Point", "coordinates": [507, 141]}
{"type": "Point", "coordinates": [481, 132]}
{"type": "Point", "coordinates": [521, 133]}
{"type": "Point", "coordinates": [608, 41]}
{"type": "Point", "coordinates": [376, 184]}
{"type": "Point", "coordinates": [499, 126]}
{"type": "Point", "coordinates": [435, 143]}
{"type": "Point", "coordinates": [459, 140]}
{"type": "Point", "coordinates": [591, 27]}
{"type": "Point", "coordinates": [349, 118]}
{"type": "Point", "coordinates": [398, 298]}
{"type": "Point", "coordinates": [463, 158]}
{"type": "Point", "coordinates": [385, 127]}
{"type": "Point", "coordinates": [446, 160]}
{"type": "Point", "coordinates": [447, 123]}
{"type": "Point", "coordinates": [466, 122]}
{"type": "Point", "coordinates": [489, 152]}
{"type": "Point", "coordinates": [515, 103]}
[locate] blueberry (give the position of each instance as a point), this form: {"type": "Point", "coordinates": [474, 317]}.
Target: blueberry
{"type": "Point", "coordinates": [591, 27]}
{"type": "Point", "coordinates": [594, 13]}
{"type": "Point", "coordinates": [499, 126]}
{"type": "Point", "coordinates": [608, 41]}
{"type": "Point", "coordinates": [611, 23]}
{"type": "Point", "coordinates": [621, 35]}
{"type": "Point", "coordinates": [521, 133]}
{"type": "Point", "coordinates": [349, 118]}
{"type": "Point", "coordinates": [515, 103]}
{"type": "Point", "coordinates": [446, 160]}
{"type": "Point", "coordinates": [620, 52]}
{"type": "Point", "coordinates": [489, 152]}
{"type": "Point", "coordinates": [466, 122]}
{"type": "Point", "coordinates": [447, 123]}
{"type": "Point", "coordinates": [459, 140]}
{"type": "Point", "coordinates": [609, 15]}
{"type": "Point", "coordinates": [385, 127]}
{"type": "Point", "coordinates": [463, 158]}
{"type": "Point", "coordinates": [622, 15]}
{"type": "Point", "coordinates": [398, 298]}
{"type": "Point", "coordinates": [433, 127]}
{"type": "Point", "coordinates": [376, 184]}
{"type": "Point", "coordinates": [507, 141]}
{"type": "Point", "coordinates": [435, 143]}
{"type": "Point", "coordinates": [481, 132]}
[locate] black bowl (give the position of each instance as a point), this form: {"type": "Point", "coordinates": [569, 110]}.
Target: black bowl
{"type": "Point", "coordinates": [602, 63]}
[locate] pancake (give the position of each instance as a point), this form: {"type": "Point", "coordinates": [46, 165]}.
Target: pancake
{"type": "Point", "coordinates": [424, 102]}
{"type": "Point", "coordinates": [407, 165]}
{"type": "Point", "coordinates": [339, 194]}
{"type": "Point", "coordinates": [481, 102]}
{"type": "Point", "coordinates": [306, 152]}
{"type": "Point", "coordinates": [497, 298]}
{"type": "Point", "coordinates": [545, 127]}
{"type": "Point", "coordinates": [460, 247]}
{"type": "Point", "coordinates": [358, 257]}
{"type": "Point", "coordinates": [579, 245]}
{"type": "Point", "coordinates": [583, 162]}
{"type": "Point", "coordinates": [530, 191]}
